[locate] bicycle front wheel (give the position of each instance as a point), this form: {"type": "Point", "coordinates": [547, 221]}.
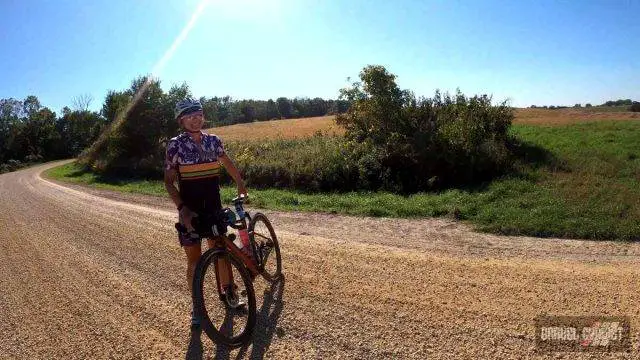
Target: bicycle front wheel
{"type": "Point", "coordinates": [266, 244]}
{"type": "Point", "coordinates": [224, 298]}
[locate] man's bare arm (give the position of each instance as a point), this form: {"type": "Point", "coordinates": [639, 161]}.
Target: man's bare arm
{"type": "Point", "coordinates": [234, 173]}
{"type": "Point", "coordinates": [170, 177]}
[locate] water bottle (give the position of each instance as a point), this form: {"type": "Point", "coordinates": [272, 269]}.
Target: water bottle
{"type": "Point", "coordinates": [238, 243]}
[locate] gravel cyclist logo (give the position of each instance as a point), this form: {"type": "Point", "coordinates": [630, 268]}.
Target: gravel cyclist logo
{"type": "Point", "coordinates": [582, 333]}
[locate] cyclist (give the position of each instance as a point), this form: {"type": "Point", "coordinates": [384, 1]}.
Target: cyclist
{"type": "Point", "coordinates": [193, 159]}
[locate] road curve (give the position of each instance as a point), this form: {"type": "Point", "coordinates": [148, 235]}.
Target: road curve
{"type": "Point", "coordinates": [95, 274]}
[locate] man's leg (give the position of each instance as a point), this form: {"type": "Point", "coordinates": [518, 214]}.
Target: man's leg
{"type": "Point", "coordinates": [193, 255]}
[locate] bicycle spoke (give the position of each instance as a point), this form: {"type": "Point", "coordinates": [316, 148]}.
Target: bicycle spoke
{"type": "Point", "coordinates": [266, 242]}
{"type": "Point", "coordinates": [263, 236]}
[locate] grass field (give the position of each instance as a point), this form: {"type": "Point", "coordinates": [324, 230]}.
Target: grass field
{"type": "Point", "coordinates": [296, 128]}
{"type": "Point", "coordinates": [585, 184]}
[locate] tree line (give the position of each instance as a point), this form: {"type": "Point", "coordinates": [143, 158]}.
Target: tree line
{"type": "Point", "coordinates": [31, 132]}
{"type": "Point", "coordinates": [225, 111]}
{"type": "Point", "coordinates": [632, 105]}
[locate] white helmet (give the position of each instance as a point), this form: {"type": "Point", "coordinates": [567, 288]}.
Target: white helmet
{"type": "Point", "coordinates": [187, 106]}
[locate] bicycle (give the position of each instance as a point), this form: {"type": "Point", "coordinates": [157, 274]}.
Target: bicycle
{"type": "Point", "coordinates": [237, 298]}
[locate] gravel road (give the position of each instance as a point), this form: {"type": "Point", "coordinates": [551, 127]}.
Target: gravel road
{"type": "Point", "coordinates": [89, 274]}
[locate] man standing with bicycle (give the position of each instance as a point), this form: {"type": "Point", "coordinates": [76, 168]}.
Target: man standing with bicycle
{"type": "Point", "coordinates": [193, 160]}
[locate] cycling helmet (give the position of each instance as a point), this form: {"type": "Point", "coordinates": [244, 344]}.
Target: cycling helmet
{"type": "Point", "coordinates": [186, 107]}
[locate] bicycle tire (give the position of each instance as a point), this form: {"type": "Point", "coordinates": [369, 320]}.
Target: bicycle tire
{"type": "Point", "coordinates": [260, 217]}
{"type": "Point", "coordinates": [199, 303]}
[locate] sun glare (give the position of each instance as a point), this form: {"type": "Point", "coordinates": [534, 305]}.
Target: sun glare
{"type": "Point", "coordinates": [246, 8]}
{"type": "Point", "coordinates": [157, 68]}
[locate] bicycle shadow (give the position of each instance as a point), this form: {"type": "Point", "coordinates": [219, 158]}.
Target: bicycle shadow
{"type": "Point", "coordinates": [267, 319]}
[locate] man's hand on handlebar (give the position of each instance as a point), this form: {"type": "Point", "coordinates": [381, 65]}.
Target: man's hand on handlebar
{"type": "Point", "coordinates": [240, 198]}
{"type": "Point", "coordinates": [242, 190]}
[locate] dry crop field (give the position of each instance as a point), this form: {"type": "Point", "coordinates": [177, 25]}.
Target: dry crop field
{"type": "Point", "coordinates": [286, 128]}
{"type": "Point", "coordinates": [295, 128]}
{"type": "Point", "coordinates": [570, 116]}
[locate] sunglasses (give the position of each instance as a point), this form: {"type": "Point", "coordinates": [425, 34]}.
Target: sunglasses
{"type": "Point", "coordinates": [192, 110]}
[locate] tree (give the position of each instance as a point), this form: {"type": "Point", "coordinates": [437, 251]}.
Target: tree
{"type": "Point", "coordinates": [115, 104]}
{"type": "Point", "coordinates": [210, 109]}
{"type": "Point", "coordinates": [132, 145]}
{"type": "Point", "coordinates": [248, 111]}
{"type": "Point", "coordinates": [10, 115]}
{"type": "Point", "coordinates": [38, 135]}
{"type": "Point", "coordinates": [271, 110]}
{"type": "Point", "coordinates": [82, 102]}
{"type": "Point", "coordinates": [31, 105]}
{"type": "Point", "coordinates": [284, 107]}
{"type": "Point", "coordinates": [78, 130]}
{"type": "Point", "coordinates": [377, 104]}
{"type": "Point", "coordinates": [619, 102]}
{"type": "Point", "coordinates": [225, 110]}
{"type": "Point", "coordinates": [318, 107]}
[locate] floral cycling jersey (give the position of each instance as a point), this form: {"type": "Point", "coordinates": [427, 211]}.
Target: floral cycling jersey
{"type": "Point", "coordinates": [198, 170]}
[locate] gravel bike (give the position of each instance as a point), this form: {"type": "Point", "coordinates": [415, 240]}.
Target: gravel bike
{"type": "Point", "coordinates": [223, 292]}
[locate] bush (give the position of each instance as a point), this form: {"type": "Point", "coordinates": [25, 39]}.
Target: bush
{"type": "Point", "coordinates": [635, 107]}
{"type": "Point", "coordinates": [14, 165]}
{"type": "Point", "coordinates": [33, 158]}
{"type": "Point", "coordinates": [406, 144]}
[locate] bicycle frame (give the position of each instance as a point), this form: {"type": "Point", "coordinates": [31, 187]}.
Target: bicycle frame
{"type": "Point", "coordinates": [254, 266]}
{"type": "Point", "coordinates": [247, 261]}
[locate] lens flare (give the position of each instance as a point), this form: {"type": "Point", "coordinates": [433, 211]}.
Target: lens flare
{"type": "Point", "coordinates": [154, 72]}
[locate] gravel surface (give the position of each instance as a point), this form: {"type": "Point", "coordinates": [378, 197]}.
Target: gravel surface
{"type": "Point", "coordinates": [90, 274]}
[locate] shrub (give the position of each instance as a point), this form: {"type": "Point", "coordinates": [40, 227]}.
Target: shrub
{"type": "Point", "coordinates": [14, 165]}
{"type": "Point", "coordinates": [635, 106]}
{"type": "Point", "coordinates": [406, 144]}
{"type": "Point", "coordinates": [33, 158]}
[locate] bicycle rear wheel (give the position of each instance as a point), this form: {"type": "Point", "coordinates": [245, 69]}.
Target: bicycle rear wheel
{"type": "Point", "coordinates": [266, 244]}
{"type": "Point", "coordinates": [216, 298]}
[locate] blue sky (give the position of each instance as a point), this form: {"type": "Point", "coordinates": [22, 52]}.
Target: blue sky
{"type": "Point", "coordinates": [530, 52]}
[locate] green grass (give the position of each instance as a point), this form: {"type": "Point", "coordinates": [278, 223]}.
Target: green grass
{"type": "Point", "coordinates": [74, 173]}
{"type": "Point", "coordinates": [585, 183]}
